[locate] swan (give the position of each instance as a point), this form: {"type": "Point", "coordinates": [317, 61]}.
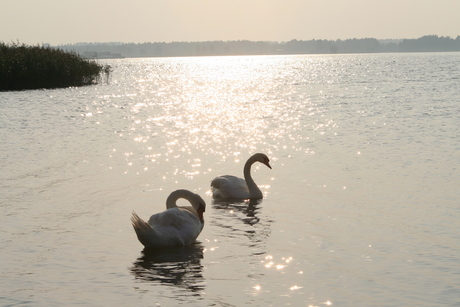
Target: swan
{"type": "Point", "coordinates": [176, 226]}
{"type": "Point", "coordinates": [231, 187]}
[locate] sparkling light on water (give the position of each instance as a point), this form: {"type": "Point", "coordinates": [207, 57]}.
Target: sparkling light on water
{"type": "Point", "coordinates": [360, 208]}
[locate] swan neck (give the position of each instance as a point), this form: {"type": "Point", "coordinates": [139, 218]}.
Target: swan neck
{"type": "Point", "coordinates": [254, 190]}
{"type": "Point", "coordinates": [171, 201]}
{"type": "Point", "coordinates": [173, 197]}
{"type": "Point", "coordinates": [247, 170]}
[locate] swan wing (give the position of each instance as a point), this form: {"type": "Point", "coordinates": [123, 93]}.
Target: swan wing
{"type": "Point", "coordinates": [228, 186]}
{"type": "Point", "coordinates": [144, 231]}
{"type": "Point", "coordinates": [175, 226]}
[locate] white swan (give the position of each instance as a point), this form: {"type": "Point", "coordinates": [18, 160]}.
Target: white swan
{"type": "Point", "coordinates": [231, 187]}
{"type": "Point", "coordinates": [176, 226]}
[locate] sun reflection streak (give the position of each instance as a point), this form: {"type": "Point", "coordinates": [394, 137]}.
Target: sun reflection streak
{"type": "Point", "coordinates": [269, 265]}
{"type": "Point", "coordinates": [220, 106]}
{"type": "Point", "coordinates": [295, 288]}
{"type": "Point", "coordinates": [278, 266]}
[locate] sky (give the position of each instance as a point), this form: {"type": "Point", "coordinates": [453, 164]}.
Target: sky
{"type": "Point", "coordinates": [137, 21]}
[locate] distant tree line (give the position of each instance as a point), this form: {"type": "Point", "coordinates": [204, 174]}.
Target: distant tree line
{"type": "Point", "coordinates": [429, 43]}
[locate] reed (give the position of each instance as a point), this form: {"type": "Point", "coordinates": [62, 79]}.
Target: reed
{"type": "Point", "coordinates": [32, 67]}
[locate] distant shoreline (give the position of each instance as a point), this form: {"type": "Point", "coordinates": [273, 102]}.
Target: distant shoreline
{"type": "Point", "coordinates": [428, 43]}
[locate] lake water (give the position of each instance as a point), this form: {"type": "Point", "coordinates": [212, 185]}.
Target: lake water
{"type": "Point", "coordinates": [361, 208]}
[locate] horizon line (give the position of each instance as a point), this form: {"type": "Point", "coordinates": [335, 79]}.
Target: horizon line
{"type": "Point", "coordinates": [265, 41]}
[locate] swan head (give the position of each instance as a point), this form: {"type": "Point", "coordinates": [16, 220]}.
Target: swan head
{"type": "Point", "coordinates": [200, 206]}
{"type": "Point", "coordinates": [262, 158]}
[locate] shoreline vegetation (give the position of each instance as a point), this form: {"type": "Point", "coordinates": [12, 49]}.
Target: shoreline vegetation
{"type": "Point", "coordinates": [25, 67]}
{"type": "Point", "coordinates": [428, 43]}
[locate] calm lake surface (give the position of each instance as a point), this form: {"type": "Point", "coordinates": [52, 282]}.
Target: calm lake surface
{"type": "Point", "coordinates": [361, 208]}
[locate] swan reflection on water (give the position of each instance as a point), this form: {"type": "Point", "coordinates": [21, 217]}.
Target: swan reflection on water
{"type": "Point", "coordinates": [229, 215]}
{"type": "Point", "coordinates": [248, 207]}
{"type": "Point", "coordinates": [179, 266]}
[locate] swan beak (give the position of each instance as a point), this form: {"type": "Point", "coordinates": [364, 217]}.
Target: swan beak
{"type": "Point", "coordinates": [268, 164]}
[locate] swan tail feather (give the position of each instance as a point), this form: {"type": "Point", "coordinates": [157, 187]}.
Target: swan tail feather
{"type": "Point", "coordinates": [143, 230]}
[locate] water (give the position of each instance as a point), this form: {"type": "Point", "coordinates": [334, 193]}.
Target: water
{"type": "Point", "coordinates": [361, 207]}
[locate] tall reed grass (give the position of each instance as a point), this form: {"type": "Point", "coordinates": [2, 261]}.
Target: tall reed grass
{"type": "Point", "coordinates": [32, 67]}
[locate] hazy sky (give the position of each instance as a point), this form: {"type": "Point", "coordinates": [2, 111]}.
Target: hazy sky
{"type": "Point", "coordinates": [71, 21]}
